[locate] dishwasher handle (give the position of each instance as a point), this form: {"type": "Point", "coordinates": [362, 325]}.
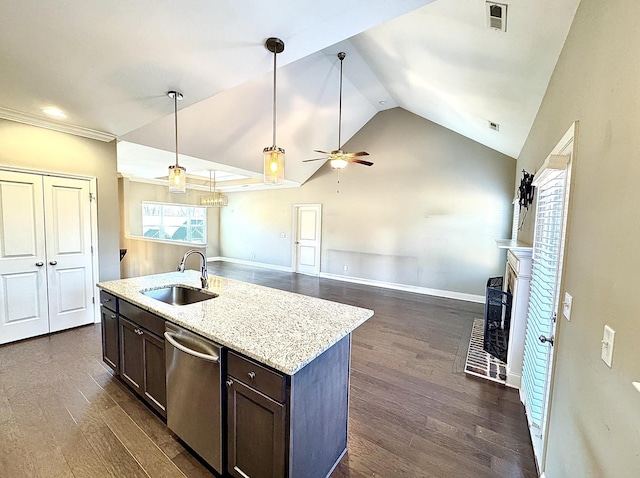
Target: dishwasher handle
{"type": "Point", "coordinates": [171, 338]}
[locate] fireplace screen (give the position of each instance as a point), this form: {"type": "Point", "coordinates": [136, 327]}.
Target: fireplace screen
{"type": "Point", "coordinates": [497, 318]}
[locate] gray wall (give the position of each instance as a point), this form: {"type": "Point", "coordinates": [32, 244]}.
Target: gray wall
{"type": "Point", "coordinates": [595, 412]}
{"type": "Point", "coordinates": [144, 256]}
{"type": "Point", "coordinates": [29, 147]}
{"type": "Point", "coordinates": [426, 214]}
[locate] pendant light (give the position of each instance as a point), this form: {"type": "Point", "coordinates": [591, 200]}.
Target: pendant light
{"type": "Point", "coordinates": [215, 198]}
{"type": "Point", "coordinates": [177, 174]}
{"type": "Point", "coordinates": [273, 156]}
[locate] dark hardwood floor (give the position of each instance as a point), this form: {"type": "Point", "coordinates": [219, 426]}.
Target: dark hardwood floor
{"type": "Point", "coordinates": [413, 412]}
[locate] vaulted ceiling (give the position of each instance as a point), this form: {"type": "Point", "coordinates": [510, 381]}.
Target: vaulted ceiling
{"type": "Point", "coordinates": [109, 64]}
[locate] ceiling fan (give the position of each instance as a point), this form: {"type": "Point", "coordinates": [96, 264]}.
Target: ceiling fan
{"type": "Point", "coordinates": [338, 157]}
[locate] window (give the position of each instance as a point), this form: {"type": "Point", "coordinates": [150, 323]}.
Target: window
{"type": "Point", "coordinates": [174, 222]}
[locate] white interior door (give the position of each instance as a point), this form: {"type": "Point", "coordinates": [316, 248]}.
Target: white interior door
{"type": "Point", "coordinates": [308, 233]}
{"type": "Point", "coordinates": [69, 261]}
{"type": "Point", "coordinates": [23, 279]}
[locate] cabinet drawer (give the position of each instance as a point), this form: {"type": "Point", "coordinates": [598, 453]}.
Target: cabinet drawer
{"type": "Point", "coordinates": [255, 375]}
{"type": "Point", "coordinates": [108, 300]}
{"type": "Point", "coordinates": [145, 319]}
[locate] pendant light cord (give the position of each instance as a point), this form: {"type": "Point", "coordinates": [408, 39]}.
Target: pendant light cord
{"type": "Point", "coordinates": [275, 55]}
{"type": "Point", "coordinates": [175, 115]}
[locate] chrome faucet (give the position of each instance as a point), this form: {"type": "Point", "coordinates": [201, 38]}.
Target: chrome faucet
{"type": "Point", "coordinates": [204, 275]}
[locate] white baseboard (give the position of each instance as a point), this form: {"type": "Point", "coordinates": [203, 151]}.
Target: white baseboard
{"type": "Point", "coordinates": [357, 280]}
{"type": "Point", "coordinates": [513, 379]}
{"type": "Point", "coordinates": [407, 288]}
{"type": "Point", "coordinates": [263, 265]}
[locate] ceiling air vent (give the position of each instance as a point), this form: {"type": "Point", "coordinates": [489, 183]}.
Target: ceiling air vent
{"type": "Point", "coordinates": [497, 16]}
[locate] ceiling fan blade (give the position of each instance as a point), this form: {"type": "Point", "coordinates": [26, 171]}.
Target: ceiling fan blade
{"type": "Point", "coordinates": [359, 153]}
{"type": "Point", "coordinates": [323, 152]}
{"type": "Point", "coordinates": [314, 159]}
{"type": "Point", "coordinates": [360, 161]}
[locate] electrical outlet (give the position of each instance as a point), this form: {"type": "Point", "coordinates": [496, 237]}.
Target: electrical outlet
{"type": "Point", "coordinates": [607, 345]}
{"type": "Point", "coordinates": [345, 268]}
{"type": "Point", "coordinates": [253, 255]}
{"type": "Point", "coordinates": [566, 306]}
{"type": "Point", "coordinates": [283, 235]}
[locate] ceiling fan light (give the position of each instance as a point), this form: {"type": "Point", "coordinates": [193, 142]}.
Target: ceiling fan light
{"type": "Point", "coordinates": [339, 163]}
{"type": "Point", "coordinates": [273, 165]}
{"type": "Point", "coordinates": [177, 179]}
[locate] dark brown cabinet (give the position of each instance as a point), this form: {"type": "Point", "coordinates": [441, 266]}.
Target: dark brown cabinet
{"type": "Point", "coordinates": [142, 362]}
{"type": "Point", "coordinates": [278, 425]}
{"type": "Point", "coordinates": [109, 319]}
{"type": "Point", "coordinates": [256, 442]}
{"type": "Point", "coordinates": [287, 426]}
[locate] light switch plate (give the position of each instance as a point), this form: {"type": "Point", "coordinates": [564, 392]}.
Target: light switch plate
{"type": "Point", "coordinates": [607, 345]}
{"type": "Point", "coordinates": [566, 306]}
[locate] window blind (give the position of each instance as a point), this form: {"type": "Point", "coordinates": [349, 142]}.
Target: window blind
{"type": "Point", "coordinates": [540, 316]}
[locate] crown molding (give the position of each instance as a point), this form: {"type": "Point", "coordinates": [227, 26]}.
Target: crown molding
{"type": "Point", "coordinates": [19, 117]}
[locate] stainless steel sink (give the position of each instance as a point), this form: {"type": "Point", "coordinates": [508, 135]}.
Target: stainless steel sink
{"type": "Point", "coordinates": [179, 295]}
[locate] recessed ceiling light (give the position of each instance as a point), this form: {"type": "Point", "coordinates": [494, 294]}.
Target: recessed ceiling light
{"type": "Point", "coordinates": [382, 102]}
{"type": "Point", "coordinates": [51, 111]}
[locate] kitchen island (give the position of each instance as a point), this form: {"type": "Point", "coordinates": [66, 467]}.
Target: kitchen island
{"type": "Point", "coordinates": [286, 358]}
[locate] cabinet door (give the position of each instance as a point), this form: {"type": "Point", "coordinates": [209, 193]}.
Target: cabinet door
{"type": "Point", "coordinates": [110, 353]}
{"type": "Point", "coordinates": [256, 434]}
{"type": "Point", "coordinates": [155, 384]}
{"type": "Point", "coordinates": [131, 356]}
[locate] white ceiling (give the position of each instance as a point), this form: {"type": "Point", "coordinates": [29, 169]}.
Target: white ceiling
{"type": "Point", "coordinates": [109, 64]}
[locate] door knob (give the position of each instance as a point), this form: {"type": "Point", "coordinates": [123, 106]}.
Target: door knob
{"type": "Point", "coordinates": [39, 264]}
{"type": "Point", "coordinates": [544, 339]}
{"type": "Point", "coordinates": [53, 263]}
{"type": "Point", "coordinates": [297, 242]}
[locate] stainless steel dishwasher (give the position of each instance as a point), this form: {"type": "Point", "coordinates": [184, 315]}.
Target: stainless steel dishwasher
{"type": "Point", "coordinates": [194, 392]}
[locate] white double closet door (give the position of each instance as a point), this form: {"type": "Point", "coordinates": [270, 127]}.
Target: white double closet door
{"type": "Point", "coordinates": [46, 276]}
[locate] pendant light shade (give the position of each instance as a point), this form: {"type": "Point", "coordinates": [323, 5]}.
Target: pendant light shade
{"type": "Point", "coordinates": [214, 198]}
{"type": "Point", "coordinates": [273, 156]}
{"type": "Point", "coordinates": [177, 174]}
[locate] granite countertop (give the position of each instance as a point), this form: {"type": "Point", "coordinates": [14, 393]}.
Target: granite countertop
{"type": "Point", "coordinates": [281, 329]}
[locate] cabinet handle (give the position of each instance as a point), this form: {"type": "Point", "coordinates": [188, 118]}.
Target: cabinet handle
{"type": "Point", "coordinates": [229, 383]}
{"type": "Point", "coordinates": [113, 316]}
{"type": "Point", "coordinates": [39, 264]}
{"type": "Point", "coordinates": [53, 263]}
{"type": "Point", "coordinates": [251, 375]}
{"type": "Point", "coordinates": [140, 332]}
